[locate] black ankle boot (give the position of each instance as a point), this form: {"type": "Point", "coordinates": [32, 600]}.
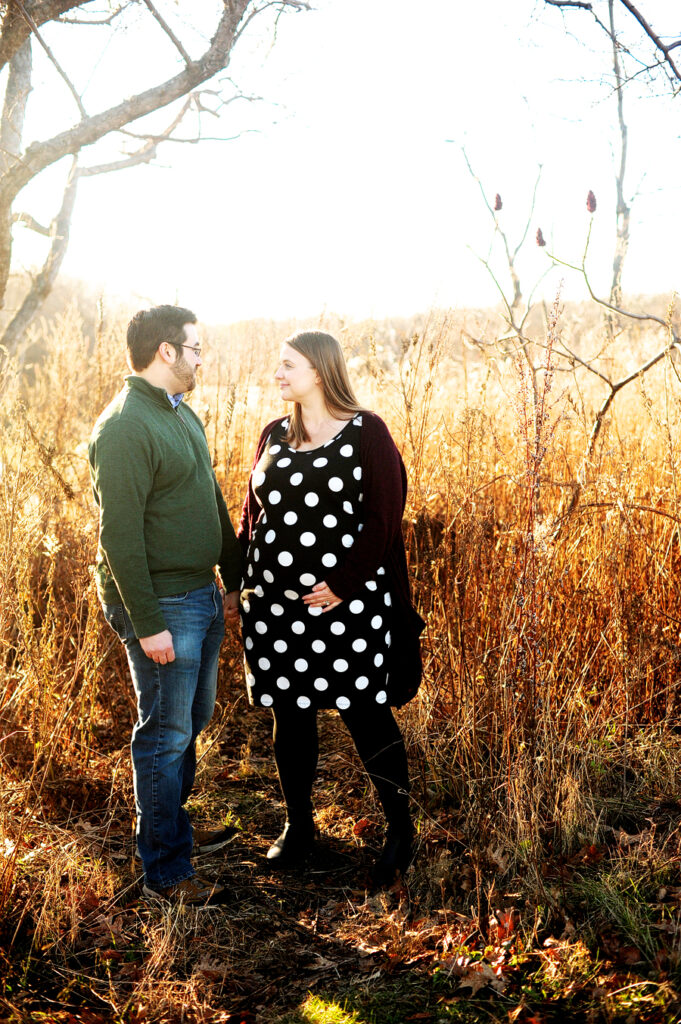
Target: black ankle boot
{"type": "Point", "coordinates": [294, 844]}
{"type": "Point", "coordinates": [396, 855]}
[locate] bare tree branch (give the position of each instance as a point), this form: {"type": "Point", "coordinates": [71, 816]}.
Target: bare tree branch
{"type": "Point", "coordinates": [69, 84]}
{"type": "Point", "coordinates": [27, 221]}
{"type": "Point", "coordinates": [42, 284]}
{"type": "Point", "coordinates": [169, 32]}
{"type": "Point", "coordinates": [14, 30]}
{"type": "Point", "coordinates": [61, 20]}
{"type": "Point", "coordinates": [144, 155]}
{"type": "Point", "coordinates": [14, 107]}
{"type": "Point", "coordinates": [654, 38]}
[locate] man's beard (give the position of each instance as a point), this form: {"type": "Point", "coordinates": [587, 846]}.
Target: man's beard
{"type": "Point", "coordinates": [185, 375]}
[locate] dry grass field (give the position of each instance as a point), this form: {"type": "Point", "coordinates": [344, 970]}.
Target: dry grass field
{"type": "Point", "coordinates": [545, 743]}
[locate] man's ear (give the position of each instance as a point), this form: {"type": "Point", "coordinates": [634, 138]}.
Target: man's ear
{"type": "Point", "coordinates": [167, 352]}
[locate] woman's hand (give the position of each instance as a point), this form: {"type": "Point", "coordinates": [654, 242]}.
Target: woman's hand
{"type": "Point", "coordinates": [322, 597]}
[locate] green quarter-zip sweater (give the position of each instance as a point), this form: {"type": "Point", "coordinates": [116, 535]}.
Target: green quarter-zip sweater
{"type": "Point", "coordinates": [163, 522]}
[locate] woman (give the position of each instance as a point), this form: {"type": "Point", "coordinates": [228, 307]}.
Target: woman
{"type": "Point", "coordinates": [325, 584]}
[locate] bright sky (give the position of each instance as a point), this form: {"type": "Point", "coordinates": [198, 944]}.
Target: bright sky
{"type": "Point", "coordinates": [350, 193]}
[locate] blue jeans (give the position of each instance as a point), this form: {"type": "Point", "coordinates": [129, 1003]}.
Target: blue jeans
{"type": "Point", "coordinates": [174, 703]}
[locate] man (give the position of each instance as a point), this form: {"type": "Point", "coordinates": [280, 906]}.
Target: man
{"type": "Point", "coordinates": [164, 527]}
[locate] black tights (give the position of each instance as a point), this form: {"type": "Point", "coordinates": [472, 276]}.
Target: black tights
{"type": "Point", "coordinates": [379, 743]}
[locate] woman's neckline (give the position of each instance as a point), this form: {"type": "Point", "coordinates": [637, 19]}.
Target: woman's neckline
{"type": "Point", "coordinates": [324, 444]}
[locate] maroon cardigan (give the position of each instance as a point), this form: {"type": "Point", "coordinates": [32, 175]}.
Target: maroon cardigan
{"type": "Point", "coordinates": [384, 486]}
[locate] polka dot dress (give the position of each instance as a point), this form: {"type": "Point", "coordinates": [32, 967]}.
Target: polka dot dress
{"type": "Point", "coordinates": [311, 515]}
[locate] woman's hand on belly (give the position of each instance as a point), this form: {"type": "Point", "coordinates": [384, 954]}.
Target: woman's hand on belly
{"type": "Point", "coordinates": [322, 597]}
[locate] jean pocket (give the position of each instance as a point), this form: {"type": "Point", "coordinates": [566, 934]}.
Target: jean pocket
{"type": "Point", "coordinates": [118, 620]}
{"type": "Point", "coordinates": [174, 599]}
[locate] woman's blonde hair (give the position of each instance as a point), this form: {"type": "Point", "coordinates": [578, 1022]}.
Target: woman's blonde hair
{"type": "Point", "coordinates": [326, 356]}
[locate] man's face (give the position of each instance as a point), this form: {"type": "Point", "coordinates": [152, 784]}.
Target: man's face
{"type": "Point", "coordinates": [187, 363]}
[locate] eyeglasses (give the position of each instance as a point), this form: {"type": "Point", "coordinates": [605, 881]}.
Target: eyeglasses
{"type": "Point", "coordinates": [196, 349]}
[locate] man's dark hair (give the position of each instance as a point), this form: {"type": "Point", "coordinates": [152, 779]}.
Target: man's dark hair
{"type": "Point", "coordinates": [150, 327]}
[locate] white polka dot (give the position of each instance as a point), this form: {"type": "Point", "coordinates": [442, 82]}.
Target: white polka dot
{"type": "Point", "coordinates": [249, 570]}
{"type": "Point", "coordinates": [311, 499]}
{"type": "Point", "coordinates": [264, 664]}
{"type": "Point", "coordinates": [342, 703]}
{"type": "Point", "coordinates": [283, 683]}
{"type": "Point", "coordinates": [291, 594]}
{"type": "Point", "coordinates": [330, 521]}
{"type": "Point", "coordinates": [269, 536]}
{"type": "Point", "coordinates": [298, 627]}
{"type": "Point", "coordinates": [258, 478]}
{"type": "Point", "coordinates": [274, 448]}
{"type": "Point", "coordinates": [357, 472]}
{"type": "Point", "coordinates": [388, 599]}
{"type": "Point", "coordinates": [359, 645]}
{"type": "Point", "coordinates": [371, 585]}
{"type": "Point", "coordinates": [380, 572]}
{"type": "Point", "coordinates": [346, 451]}
{"type": "Point", "coordinates": [348, 540]}
{"type": "Point", "coordinates": [347, 507]}
{"type": "Point", "coordinates": [338, 628]}
{"type": "Point", "coordinates": [313, 610]}
{"type": "Point", "coordinates": [280, 646]}
{"type": "Point", "coordinates": [296, 479]}
{"type": "Point", "coordinates": [303, 702]}
{"type": "Point", "coordinates": [274, 497]}
{"type": "Point", "coordinates": [329, 560]}
{"type": "Point", "coordinates": [249, 643]}
{"type": "Point", "coordinates": [357, 421]}
{"type": "Point", "coordinates": [307, 539]}
{"type": "Point", "coordinates": [300, 665]}
{"type": "Point", "coordinates": [335, 484]}
{"type": "Point", "coordinates": [260, 627]}
{"type": "Point", "coordinates": [246, 605]}
{"type": "Point", "coordinates": [250, 679]}
{"type": "Point", "coordinates": [318, 646]}
{"type": "Point", "coordinates": [284, 424]}
{"type": "Point", "coordinates": [285, 558]}
{"type": "Point", "coordinates": [321, 684]}
{"type": "Point", "coordinates": [360, 527]}
{"type": "Point", "coordinates": [378, 660]}
{"type": "Point", "coordinates": [277, 609]}
{"type": "Point", "coordinates": [266, 700]}
{"type": "Point", "coordinates": [340, 665]}
{"type": "Point", "coordinates": [362, 682]}
{"type": "Point", "coordinates": [356, 607]}
{"type": "Point", "coordinates": [283, 463]}
{"type": "Point", "coordinates": [320, 462]}
{"type": "Point", "coordinates": [376, 622]}
{"type": "Point", "coordinates": [267, 576]}
{"type": "Point", "coordinates": [308, 580]}
{"type": "Point", "coordinates": [381, 697]}
{"type": "Point", "coordinates": [290, 518]}
{"type": "Point", "coordinates": [258, 591]}
{"type": "Point", "coordinates": [388, 638]}
{"type": "Point", "coordinates": [256, 554]}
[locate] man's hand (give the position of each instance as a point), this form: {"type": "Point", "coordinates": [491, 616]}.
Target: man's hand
{"type": "Point", "coordinates": [230, 607]}
{"type": "Point", "coordinates": [158, 647]}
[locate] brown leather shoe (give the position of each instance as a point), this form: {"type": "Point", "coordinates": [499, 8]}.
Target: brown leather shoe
{"type": "Point", "coordinates": [208, 840]}
{"type": "Point", "coordinates": [192, 892]}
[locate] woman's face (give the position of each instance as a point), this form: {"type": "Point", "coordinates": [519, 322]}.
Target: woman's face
{"type": "Point", "coordinates": [296, 376]}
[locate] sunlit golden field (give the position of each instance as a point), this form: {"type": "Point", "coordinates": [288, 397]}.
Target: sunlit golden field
{"type": "Point", "coordinates": [545, 743]}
